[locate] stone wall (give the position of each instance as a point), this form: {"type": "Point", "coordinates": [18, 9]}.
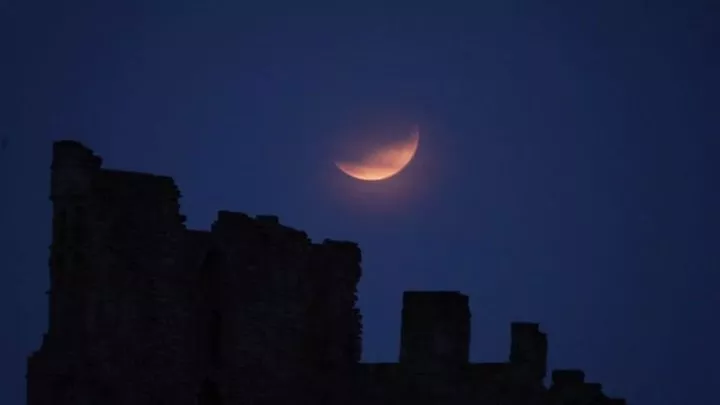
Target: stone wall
{"type": "Point", "coordinates": [146, 312]}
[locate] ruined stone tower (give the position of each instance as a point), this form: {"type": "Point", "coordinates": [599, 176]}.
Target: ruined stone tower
{"type": "Point", "coordinates": [144, 311]}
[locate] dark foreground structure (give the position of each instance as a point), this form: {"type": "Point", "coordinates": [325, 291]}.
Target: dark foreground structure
{"type": "Point", "coordinates": [146, 312]}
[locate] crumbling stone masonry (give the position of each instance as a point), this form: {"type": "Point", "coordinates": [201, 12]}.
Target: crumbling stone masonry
{"type": "Point", "coordinates": [144, 311]}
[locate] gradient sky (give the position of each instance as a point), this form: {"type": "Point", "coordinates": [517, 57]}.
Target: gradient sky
{"type": "Point", "coordinates": [564, 175]}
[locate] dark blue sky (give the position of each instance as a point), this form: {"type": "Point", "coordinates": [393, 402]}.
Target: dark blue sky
{"type": "Point", "coordinates": [564, 176]}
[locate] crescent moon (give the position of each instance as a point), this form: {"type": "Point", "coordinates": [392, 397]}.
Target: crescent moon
{"type": "Point", "coordinates": [383, 163]}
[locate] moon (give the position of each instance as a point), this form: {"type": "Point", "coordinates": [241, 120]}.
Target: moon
{"type": "Point", "coordinates": [384, 162]}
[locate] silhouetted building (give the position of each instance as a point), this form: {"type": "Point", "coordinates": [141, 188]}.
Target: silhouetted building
{"type": "Point", "coordinates": [146, 312]}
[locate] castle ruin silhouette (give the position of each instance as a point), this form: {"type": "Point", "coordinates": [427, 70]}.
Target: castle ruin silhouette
{"type": "Point", "coordinates": [143, 311]}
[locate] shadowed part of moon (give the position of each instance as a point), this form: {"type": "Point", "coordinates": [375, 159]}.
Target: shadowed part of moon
{"type": "Point", "coordinates": [383, 163]}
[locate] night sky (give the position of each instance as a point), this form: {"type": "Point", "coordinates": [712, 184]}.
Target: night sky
{"type": "Point", "coordinates": [564, 174]}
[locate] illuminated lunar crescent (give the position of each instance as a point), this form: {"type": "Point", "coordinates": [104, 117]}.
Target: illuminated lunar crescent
{"type": "Point", "coordinates": [383, 163]}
